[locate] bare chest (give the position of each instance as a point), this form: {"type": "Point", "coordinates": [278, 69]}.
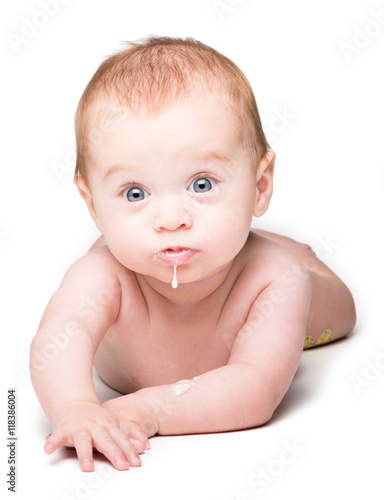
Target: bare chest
{"type": "Point", "coordinates": [145, 349]}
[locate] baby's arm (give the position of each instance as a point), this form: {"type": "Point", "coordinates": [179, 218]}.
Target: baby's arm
{"type": "Point", "coordinates": [262, 363]}
{"type": "Point", "coordinates": [62, 352]}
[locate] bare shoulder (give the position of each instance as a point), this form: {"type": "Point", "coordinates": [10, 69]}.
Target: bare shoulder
{"type": "Point", "coordinates": [90, 293]}
{"type": "Point", "coordinates": [98, 269]}
{"type": "Point", "coordinates": [269, 260]}
{"type": "Point", "coordinates": [266, 273]}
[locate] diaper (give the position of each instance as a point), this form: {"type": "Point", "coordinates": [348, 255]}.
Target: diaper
{"type": "Point", "coordinates": [325, 337]}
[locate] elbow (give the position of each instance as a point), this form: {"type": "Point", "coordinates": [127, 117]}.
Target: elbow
{"type": "Point", "coordinates": [256, 418]}
{"type": "Point", "coordinates": [264, 415]}
{"type": "Point", "coordinates": [254, 401]}
{"type": "Point", "coordinates": [255, 412]}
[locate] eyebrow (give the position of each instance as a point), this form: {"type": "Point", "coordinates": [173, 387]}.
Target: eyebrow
{"type": "Point", "coordinates": [205, 156]}
{"type": "Point", "coordinates": [114, 169]}
{"type": "Point", "coordinates": [215, 155]}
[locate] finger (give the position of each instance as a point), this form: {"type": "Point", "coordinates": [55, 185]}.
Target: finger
{"type": "Point", "coordinates": [140, 445]}
{"type": "Point", "coordinates": [138, 438]}
{"type": "Point", "coordinates": [127, 446]}
{"type": "Point", "coordinates": [105, 444]}
{"type": "Point", "coordinates": [55, 440]}
{"type": "Point", "coordinates": [83, 443]}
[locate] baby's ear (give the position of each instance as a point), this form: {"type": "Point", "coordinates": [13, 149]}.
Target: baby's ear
{"type": "Point", "coordinates": [85, 193]}
{"type": "Point", "coordinates": [264, 183]}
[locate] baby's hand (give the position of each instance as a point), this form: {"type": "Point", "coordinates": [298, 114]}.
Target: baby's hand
{"type": "Point", "coordinates": [137, 418]}
{"type": "Point", "coordinates": [84, 425]}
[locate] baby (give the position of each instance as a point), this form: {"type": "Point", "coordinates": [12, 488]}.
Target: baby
{"type": "Point", "coordinates": [196, 319]}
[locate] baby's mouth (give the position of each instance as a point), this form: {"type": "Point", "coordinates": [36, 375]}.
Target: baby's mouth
{"type": "Point", "coordinates": [175, 256]}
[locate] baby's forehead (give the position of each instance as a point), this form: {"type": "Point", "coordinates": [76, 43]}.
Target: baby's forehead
{"type": "Point", "coordinates": [190, 130]}
{"type": "Point", "coordinates": [194, 121]}
{"type": "Point", "coordinates": [105, 109]}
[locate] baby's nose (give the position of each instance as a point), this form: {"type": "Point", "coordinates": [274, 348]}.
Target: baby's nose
{"type": "Point", "coordinates": [172, 215]}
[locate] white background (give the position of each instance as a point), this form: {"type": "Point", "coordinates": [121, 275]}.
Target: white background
{"type": "Point", "coordinates": [329, 184]}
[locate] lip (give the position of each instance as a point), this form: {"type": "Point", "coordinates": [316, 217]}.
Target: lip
{"type": "Point", "coordinates": [175, 256]}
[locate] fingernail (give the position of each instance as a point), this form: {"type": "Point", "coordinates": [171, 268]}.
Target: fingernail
{"type": "Point", "coordinates": [48, 448]}
{"type": "Point", "coordinates": [137, 461]}
{"type": "Point", "coordinates": [122, 463]}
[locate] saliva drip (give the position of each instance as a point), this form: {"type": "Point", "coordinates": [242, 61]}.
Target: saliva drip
{"type": "Point", "coordinates": [174, 281]}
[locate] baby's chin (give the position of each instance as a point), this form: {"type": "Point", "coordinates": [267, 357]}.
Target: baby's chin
{"type": "Point", "coordinates": [190, 276]}
{"type": "Point", "coordinates": [191, 273]}
{"type": "Point", "coordinates": [174, 277]}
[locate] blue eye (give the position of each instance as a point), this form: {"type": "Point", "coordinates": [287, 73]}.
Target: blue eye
{"type": "Point", "coordinates": [202, 185]}
{"type": "Point", "coordinates": [134, 194]}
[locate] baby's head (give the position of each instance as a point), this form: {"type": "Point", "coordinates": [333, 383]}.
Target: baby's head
{"type": "Point", "coordinates": [155, 74]}
{"type": "Point", "coordinates": [172, 159]}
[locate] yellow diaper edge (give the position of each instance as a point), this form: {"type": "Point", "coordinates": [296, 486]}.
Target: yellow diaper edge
{"type": "Point", "coordinates": [325, 337]}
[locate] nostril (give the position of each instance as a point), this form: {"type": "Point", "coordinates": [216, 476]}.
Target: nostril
{"type": "Point", "coordinates": [171, 221]}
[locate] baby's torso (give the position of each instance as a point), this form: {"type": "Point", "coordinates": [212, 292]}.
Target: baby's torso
{"type": "Point", "coordinates": [153, 348]}
{"type": "Point", "coordinates": [154, 343]}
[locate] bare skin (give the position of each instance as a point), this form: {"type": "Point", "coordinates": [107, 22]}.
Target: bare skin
{"type": "Point", "coordinates": [238, 320]}
{"type": "Point", "coordinates": [181, 341]}
{"type": "Point", "coordinates": [329, 294]}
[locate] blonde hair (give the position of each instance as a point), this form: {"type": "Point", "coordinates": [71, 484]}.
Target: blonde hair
{"type": "Point", "coordinates": [159, 71]}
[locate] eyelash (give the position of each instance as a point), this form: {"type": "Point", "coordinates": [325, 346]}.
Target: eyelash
{"type": "Point", "coordinates": [129, 185]}
{"type": "Point", "coordinates": [206, 175]}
